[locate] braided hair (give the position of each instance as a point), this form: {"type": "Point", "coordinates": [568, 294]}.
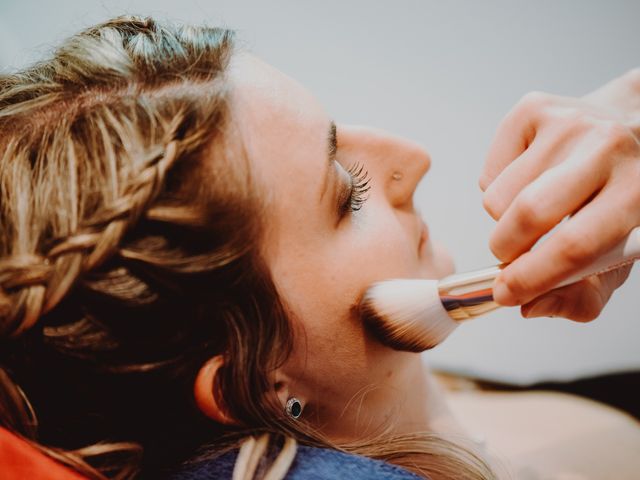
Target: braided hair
{"type": "Point", "coordinates": [128, 233]}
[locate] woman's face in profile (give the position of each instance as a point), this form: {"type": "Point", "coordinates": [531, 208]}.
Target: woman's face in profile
{"type": "Point", "coordinates": [323, 251]}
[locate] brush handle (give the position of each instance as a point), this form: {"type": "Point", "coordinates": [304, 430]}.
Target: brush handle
{"type": "Point", "coordinates": [627, 251]}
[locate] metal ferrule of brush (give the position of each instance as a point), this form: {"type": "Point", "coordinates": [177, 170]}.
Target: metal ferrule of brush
{"type": "Point", "coordinates": [469, 295]}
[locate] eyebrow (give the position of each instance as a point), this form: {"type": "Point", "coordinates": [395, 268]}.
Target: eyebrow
{"type": "Point", "coordinates": [332, 149]}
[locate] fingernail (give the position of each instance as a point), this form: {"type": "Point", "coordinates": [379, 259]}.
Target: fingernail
{"type": "Point", "coordinates": [546, 307]}
{"type": "Point", "coordinates": [501, 293]}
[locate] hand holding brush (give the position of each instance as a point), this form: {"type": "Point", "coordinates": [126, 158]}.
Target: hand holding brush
{"type": "Point", "coordinates": [558, 162]}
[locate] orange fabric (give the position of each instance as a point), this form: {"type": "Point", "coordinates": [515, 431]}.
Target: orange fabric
{"type": "Point", "coordinates": [19, 460]}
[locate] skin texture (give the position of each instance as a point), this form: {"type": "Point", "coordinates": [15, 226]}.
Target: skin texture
{"type": "Point", "coordinates": [350, 385]}
{"type": "Point", "coordinates": [554, 157]}
{"type": "Point", "coordinates": [322, 261]}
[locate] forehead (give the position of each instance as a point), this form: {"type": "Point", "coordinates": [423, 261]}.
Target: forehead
{"type": "Point", "coordinates": [284, 132]}
{"type": "Point", "coordinates": [257, 81]}
{"type": "Point", "coordinates": [265, 101]}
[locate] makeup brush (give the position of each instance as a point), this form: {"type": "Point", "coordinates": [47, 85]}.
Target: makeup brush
{"type": "Point", "coordinates": [416, 314]}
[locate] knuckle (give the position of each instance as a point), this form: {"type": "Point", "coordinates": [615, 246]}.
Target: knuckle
{"type": "Point", "coordinates": [529, 214]}
{"type": "Point", "coordinates": [576, 249]}
{"type": "Point", "coordinates": [573, 122]}
{"type": "Point", "coordinates": [534, 100]}
{"type": "Point", "coordinates": [531, 105]}
{"type": "Point", "coordinates": [617, 137]}
{"type": "Point", "coordinates": [515, 282]}
{"type": "Point", "coordinates": [497, 247]}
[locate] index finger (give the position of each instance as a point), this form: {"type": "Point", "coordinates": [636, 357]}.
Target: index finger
{"type": "Point", "coordinates": [513, 136]}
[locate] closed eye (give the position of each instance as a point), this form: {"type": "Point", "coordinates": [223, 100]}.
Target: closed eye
{"type": "Point", "coordinates": [357, 192]}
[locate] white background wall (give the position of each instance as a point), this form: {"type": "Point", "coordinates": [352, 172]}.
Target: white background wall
{"type": "Point", "coordinates": [443, 73]}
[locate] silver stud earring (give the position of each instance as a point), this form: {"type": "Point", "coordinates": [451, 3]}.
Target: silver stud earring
{"type": "Point", "coordinates": [293, 408]}
{"type": "Point", "coordinates": [396, 176]}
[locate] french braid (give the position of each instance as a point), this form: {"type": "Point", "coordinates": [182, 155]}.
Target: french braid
{"type": "Point", "coordinates": [37, 289]}
{"type": "Point", "coordinates": [106, 238]}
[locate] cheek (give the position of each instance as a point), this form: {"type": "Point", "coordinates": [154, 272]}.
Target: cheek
{"type": "Point", "coordinates": [334, 354]}
{"type": "Point", "coordinates": [333, 358]}
{"type": "Point", "coordinates": [385, 246]}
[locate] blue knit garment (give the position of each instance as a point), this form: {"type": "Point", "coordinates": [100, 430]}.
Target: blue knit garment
{"type": "Point", "coordinates": [310, 464]}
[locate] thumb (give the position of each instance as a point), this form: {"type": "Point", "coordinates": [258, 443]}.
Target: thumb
{"type": "Point", "coordinates": [581, 301]}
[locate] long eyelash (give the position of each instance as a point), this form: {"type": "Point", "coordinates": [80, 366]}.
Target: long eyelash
{"type": "Point", "coordinates": [360, 186]}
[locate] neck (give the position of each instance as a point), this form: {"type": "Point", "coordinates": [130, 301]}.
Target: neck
{"type": "Point", "coordinates": [425, 408]}
{"type": "Point", "coordinates": [407, 402]}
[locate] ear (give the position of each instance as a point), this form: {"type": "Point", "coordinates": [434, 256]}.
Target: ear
{"type": "Point", "coordinates": [210, 402]}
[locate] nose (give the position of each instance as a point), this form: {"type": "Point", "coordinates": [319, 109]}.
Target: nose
{"type": "Point", "coordinates": [396, 165]}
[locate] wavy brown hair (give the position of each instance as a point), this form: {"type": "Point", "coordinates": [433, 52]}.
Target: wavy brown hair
{"type": "Point", "coordinates": [129, 234]}
{"type": "Point", "coordinates": [127, 245]}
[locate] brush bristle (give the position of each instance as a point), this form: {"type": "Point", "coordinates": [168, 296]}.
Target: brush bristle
{"type": "Point", "coordinates": [406, 314]}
